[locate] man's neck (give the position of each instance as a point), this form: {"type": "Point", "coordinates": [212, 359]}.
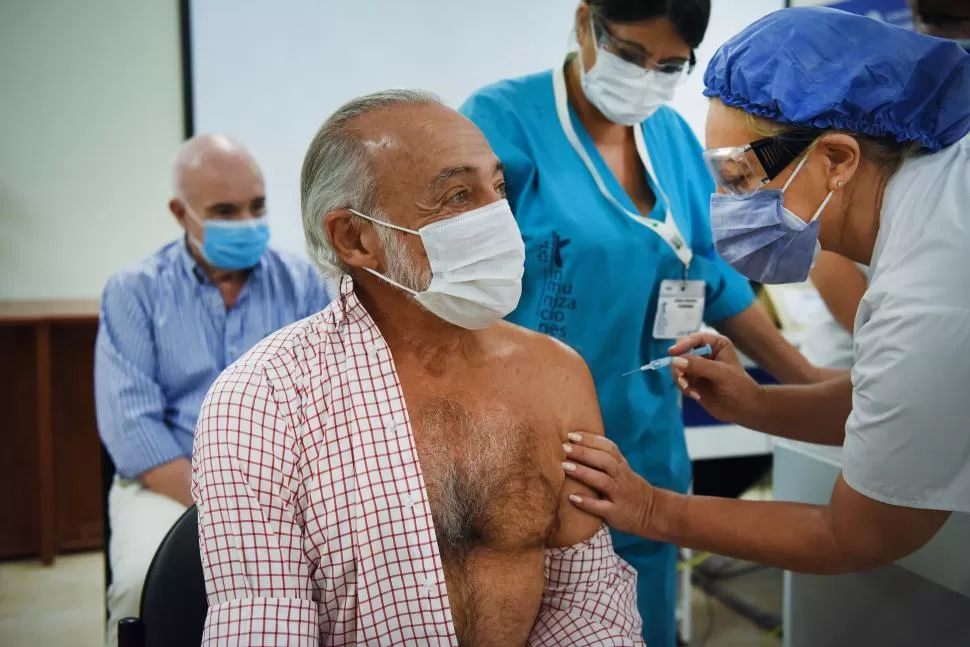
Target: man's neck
{"type": "Point", "coordinates": [600, 129]}
{"type": "Point", "coordinates": [228, 282]}
{"type": "Point", "coordinates": [411, 330]}
{"type": "Point", "coordinates": [855, 237]}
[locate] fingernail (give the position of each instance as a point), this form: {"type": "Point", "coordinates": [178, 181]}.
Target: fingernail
{"type": "Point", "coordinates": [679, 362]}
{"type": "Point", "coordinates": [695, 395]}
{"type": "Point", "coordinates": [569, 467]}
{"type": "Point", "coordinates": [567, 447]}
{"type": "Point", "coordinates": [575, 498]}
{"type": "Point", "coordinates": [576, 438]}
{"type": "Point", "coordinates": [682, 382]}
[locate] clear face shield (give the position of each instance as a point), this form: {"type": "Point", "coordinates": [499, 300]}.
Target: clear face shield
{"type": "Point", "coordinates": [741, 170]}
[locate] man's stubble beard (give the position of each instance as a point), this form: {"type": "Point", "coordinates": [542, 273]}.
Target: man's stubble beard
{"type": "Point", "coordinates": [401, 267]}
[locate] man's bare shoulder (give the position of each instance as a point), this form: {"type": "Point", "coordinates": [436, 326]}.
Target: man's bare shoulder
{"type": "Point", "coordinates": [535, 346]}
{"type": "Point", "coordinates": [550, 366]}
{"type": "Point", "coordinates": [560, 384]}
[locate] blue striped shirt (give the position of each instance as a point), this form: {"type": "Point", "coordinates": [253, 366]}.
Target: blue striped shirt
{"type": "Point", "coordinates": [165, 336]}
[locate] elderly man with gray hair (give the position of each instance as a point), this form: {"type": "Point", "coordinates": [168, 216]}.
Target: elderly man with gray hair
{"type": "Point", "coordinates": [389, 471]}
{"type": "Point", "coordinates": [169, 325]}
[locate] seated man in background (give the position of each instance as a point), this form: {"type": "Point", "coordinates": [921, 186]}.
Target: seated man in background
{"type": "Point", "coordinates": [169, 324]}
{"type": "Point", "coordinates": [388, 472]}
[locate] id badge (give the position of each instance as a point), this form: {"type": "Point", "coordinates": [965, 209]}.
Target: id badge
{"type": "Point", "coordinates": [680, 309]}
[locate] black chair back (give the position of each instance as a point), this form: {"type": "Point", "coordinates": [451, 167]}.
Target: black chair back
{"type": "Point", "coordinates": [173, 601]}
{"type": "Point", "coordinates": [107, 478]}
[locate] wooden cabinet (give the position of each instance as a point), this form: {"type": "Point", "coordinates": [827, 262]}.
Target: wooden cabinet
{"type": "Point", "coordinates": [50, 462]}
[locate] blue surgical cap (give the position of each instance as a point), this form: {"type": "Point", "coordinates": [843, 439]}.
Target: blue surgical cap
{"type": "Point", "coordinates": [825, 68]}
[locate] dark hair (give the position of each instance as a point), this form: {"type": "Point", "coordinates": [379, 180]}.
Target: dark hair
{"type": "Point", "coordinates": [941, 12]}
{"type": "Point", "coordinates": [689, 17]}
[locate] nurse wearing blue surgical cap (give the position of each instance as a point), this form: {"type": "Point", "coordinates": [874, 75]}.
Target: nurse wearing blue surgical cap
{"type": "Point", "coordinates": [612, 197]}
{"type": "Point", "coordinates": [832, 131]}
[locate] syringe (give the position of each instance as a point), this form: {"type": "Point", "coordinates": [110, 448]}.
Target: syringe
{"type": "Point", "coordinates": [702, 351]}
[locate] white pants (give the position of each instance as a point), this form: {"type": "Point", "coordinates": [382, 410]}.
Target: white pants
{"type": "Point", "coordinates": [139, 521]}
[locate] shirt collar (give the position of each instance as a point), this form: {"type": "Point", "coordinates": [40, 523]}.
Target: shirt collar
{"type": "Point", "coordinates": [348, 308]}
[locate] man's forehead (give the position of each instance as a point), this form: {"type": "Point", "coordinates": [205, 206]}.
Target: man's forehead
{"type": "Point", "coordinates": [222, 178]}
{"type": "Point", "coordinates": [420, 140]}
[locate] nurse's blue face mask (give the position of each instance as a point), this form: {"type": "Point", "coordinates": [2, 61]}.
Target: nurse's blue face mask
{"type": "Point", "coordinates": [757, 235]}
{"type": "Point", "coordinates": [232, 244]}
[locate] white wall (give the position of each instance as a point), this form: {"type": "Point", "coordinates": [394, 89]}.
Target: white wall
{"type": "Point", "coordinates": [90, 113]}
{"type": "Point", "coordinates": [728, 17]}
{"type": "Point", "coordinates": [292, 63]}
{"type": "Point", "coordinates": [304, 58]}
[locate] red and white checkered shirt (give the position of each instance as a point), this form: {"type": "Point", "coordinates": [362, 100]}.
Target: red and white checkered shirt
{"type": "Point", "coordinates": [314, 522]}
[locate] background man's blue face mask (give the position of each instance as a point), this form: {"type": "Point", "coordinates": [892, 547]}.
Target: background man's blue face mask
{"type": "Point", "coordinates": [233, 244]}
{"type": "Point", "coordinates": [762, 239]}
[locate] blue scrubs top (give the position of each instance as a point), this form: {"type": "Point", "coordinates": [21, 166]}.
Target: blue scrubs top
{"type": "Point", "coordinates": [592, 277]}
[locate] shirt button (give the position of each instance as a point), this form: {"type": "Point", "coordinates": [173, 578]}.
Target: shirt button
{"type": "Point", "coordinates": [371, 350]}
{"type": "Point", "coordinates": [407, 501]}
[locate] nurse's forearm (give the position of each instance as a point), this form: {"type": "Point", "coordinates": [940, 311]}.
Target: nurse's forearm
{"type": "Point", "coordinates": [756, 336]}
{"type": "Point", "coordinates": [852, 533]}
{"type": "Point", "coordinates": [814, 413]}
{"type": "Point", "coordinates": [794, 536]}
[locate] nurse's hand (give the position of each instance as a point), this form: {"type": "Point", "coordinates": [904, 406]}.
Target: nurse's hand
{"type": "Point", "coordinates": [718, 382]}
{"type": "Point", "coordinates": [626, 500]}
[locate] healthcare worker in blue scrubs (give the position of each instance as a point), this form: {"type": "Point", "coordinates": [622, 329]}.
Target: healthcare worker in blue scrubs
{"type": "Point", "coordinates": [612, 197]}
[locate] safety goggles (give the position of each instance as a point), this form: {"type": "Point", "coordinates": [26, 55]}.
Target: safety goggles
{"type": "Point", "coordinates": [630, 53]}
{"type": "Point", "coordinates": [740, 170]}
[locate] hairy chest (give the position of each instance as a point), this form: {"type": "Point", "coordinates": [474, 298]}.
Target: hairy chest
{"type": "Point", "coordinates": [491, 478]}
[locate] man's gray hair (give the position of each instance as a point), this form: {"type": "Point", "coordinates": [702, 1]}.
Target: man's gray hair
{"type": "Point", "coordinates": [337, 172]}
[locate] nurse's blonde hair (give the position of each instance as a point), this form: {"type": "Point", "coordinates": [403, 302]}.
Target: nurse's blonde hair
{"type": "Point", "coordinates": [885, 152]}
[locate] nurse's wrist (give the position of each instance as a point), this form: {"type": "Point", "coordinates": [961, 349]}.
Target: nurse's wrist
{"type": "Point", "coordinates": [756, 409]}
{"type": "Point", "coordinates": [665, 517]}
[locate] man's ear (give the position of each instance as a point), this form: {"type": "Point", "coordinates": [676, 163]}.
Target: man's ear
{"type": "Point", "coordinates": [178, 210]}
{"type": "Point", "coordinates": [843, 157]}
{"type": "Point", "coordinates": [355, 243]}
{"type": "Point", "coordinates": [582, 22]}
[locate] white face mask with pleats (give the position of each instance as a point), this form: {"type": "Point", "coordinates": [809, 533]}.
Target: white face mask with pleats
{"type": "Point", "coordinates": [477, 261]}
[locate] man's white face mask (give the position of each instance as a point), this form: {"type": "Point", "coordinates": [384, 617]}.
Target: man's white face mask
{"type": "Point", "coordinates": [477, 260]}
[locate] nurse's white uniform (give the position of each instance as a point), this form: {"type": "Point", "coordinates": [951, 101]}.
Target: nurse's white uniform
{"type": "Point", "coordinates": [907, 439]}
